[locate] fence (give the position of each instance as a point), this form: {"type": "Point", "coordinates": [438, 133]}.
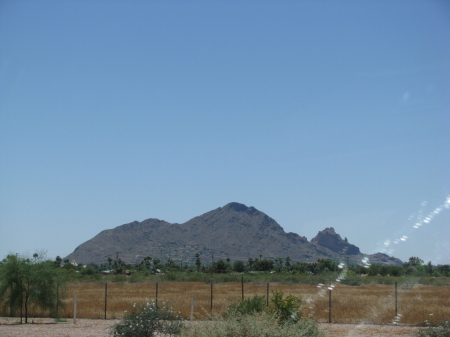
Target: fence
{"type": "Point", "coordinates": [341, 304]}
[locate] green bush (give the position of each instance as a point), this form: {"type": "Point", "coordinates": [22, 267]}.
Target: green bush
{"type": "Point", "coordinates": [248, 306]}
{"type": "Point", "coordinates": [253, 325]}
{"type": "Point", "coordinates": [287, 309]}
{"type": "Point", "coordinates": [148, 320]}
{"type": "Point", "coordinates": [352, 280]}
{"type": "Point", "coordinates": [441, 330]}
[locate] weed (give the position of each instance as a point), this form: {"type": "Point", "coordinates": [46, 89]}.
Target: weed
{"type": "Point", "coordinates": [253, 325]}
{"type": "Point", "coordinates": [248, 306]}
{"type": "Point", "coordinates": [287, 309]}
{"type": "Point", "coordinates": [431, 330]}
{"type": "Point", "coordinates": [148, 320]}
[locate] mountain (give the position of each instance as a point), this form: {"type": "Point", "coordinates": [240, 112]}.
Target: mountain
{"type": "Point", "coordinates": [233, 231]}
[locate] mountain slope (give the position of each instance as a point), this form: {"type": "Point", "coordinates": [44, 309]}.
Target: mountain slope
{"type": "Point", "coordinates": [235, 231]}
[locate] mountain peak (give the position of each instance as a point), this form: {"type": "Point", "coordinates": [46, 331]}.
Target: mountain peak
{"type": "Point", "coordinates": [328, 238]}
{"type": "Point", "coordinates": [235, 206]}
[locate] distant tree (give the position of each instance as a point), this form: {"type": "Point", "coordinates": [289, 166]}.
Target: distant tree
{"type": "Point", "coordinates": [198, 263]}
{"type": "Point", "coordinates": [228, 260]}
{"type": "Point", "coordinates": [327, 265]}
{"type": "Point", "coordinates": [58, 262]}
{"type": "Point", "coordinates": [157, 264]}
{"type": "Point", "coordinates": [263, 265]}
{"type": "Point", "coordinates": [429, 268]}
{"type": "Point", "coordinates": [280, 263]}
{"type": "Point", "coordinates": [250, 263]}
{"type": "Point", "coordinates": [24, 282]}
{"type": "Point", "coordinates": [109, 262]}
{"type": "Point", "coordinates": [148, 262]}
{"type": "Point", "coordinates": [66, 261]}
{"type": "Point", "coordinates": [288, 262]}
{"type": "Point", "coordinates": [170, 264]}
{"type": "Point", "coordinates": [220, 266]}
{"type": "Point", "coordinates": [413, 261]}
{"type": "Point", "coordinates": [444, 269]}
{"type": "Point", "coordinates": [238, 266]}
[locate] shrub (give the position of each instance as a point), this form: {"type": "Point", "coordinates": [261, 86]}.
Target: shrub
{"type": "Point", "coordinates": [248, 306]}
{"type": "Point", "coordinates": [286, 308]}
{"type": "Point", "coordinates": [148, 320]}
{"type": "Point", "coordinates": [253, 325]}
{"type": "Point", "coordinates": [87, 271]}
{"type": "Point", "coordinates": [352, 280]}
{"type": "Point", "coordinates": [442, 330]}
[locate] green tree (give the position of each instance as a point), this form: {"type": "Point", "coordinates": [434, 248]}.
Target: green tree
{"type": "Point", "coordinates": [444, 269]}
{"type": "Point", "coordinates": [220, 266]}
{"type": "Point", "coordinates": [148, 262]}
{"type": "Point", "coordinates": [238, 266]}
{"type": "Point", "coordinates": [413, 261]}
{"type": "Point", "coordinates": [288, 262]}
{"type": "Point", "coordinates": [198, 263]}
{"type": "Point", "coordinates": [58, 262]}
{"type": "Point", "coordinates": [170, 264]}
{"type": "Point", "coordinates": [429, 268]}
{"type": "Point", "coordinates": [263, 265]}
{"type": "Point", "coordinates": [24, 282]}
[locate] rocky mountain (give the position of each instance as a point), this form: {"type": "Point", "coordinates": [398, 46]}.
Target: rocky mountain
{"type": "Point", "coordinates": [234, 231]}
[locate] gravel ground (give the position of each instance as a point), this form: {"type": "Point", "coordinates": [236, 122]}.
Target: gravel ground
{"type": "Point", "coordinates": [99, 328]}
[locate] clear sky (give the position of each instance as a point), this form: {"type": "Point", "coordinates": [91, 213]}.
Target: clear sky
{"type": "Point", "coordinates": [318, 113]}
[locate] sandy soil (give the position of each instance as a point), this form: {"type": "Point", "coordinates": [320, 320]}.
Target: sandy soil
{"type": "Point", "coordinates": [99, 328]}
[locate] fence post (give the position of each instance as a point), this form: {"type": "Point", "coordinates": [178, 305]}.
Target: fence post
{"type": "Point", "coordinates": [329, 305]}
{"type": "Point", "coordinates": [192, 307]}
{"type": "Point", "coordinates": [242, 286]}
{"type": "Point", "coordinates": [156, 294]}
{"type": "Point", "coordinates": [267, 294]}
{"type": "Point", "coordinates": [211, 297]}
{"type": "Point", "coordinates": [75, 309]}
{"type": "Point", "coordinates": [396, 303]}
{"type": "Point", "coordinates": [106, 297]}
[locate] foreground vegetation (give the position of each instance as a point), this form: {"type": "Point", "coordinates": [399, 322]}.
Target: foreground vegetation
{"type": "Point", "coordinates": [30, 283]}
{"type": "Point", "coordinates": [246, 318]}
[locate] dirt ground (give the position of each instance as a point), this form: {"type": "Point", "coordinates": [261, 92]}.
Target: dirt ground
{"type": "Point", "coordinates": [40, 327]}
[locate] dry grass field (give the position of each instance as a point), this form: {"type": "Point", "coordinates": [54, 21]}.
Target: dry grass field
{"type": "Point", "coordinates": [362, 304]}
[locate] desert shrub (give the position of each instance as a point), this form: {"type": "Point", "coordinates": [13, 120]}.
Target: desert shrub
{"type": "Point", "coordinates": [146, 321]}
{"type": "Point", "coordinates": [136, 277]}
{"type": "Point", "coordinates": [352, 280]}
{"type": "Point", "coordinates": [441, 330]}
{"type": "Point", "coordinates": [287, 309]}
{"type": "Point", "coordinates": [87, 271]}
{"type": "Point", "coordinates": [248, 306]}
{"type": "Point", "coordinates": [253, 325]}
{"type": "Point", "coordinates": [118, 278]}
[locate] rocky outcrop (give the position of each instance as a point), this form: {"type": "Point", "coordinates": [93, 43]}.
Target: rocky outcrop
{"type": "Point", "coordinates": [328, 238]}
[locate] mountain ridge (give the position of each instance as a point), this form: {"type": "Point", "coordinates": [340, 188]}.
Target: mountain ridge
{"type": "Point", "coordinates": [233, 231]}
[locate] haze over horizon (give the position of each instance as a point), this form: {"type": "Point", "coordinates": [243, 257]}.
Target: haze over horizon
{"type": "Point", "coordinates": [319, 114]}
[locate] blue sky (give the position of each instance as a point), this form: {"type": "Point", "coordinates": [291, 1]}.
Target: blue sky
{"type": "Point", "coordinates": [319, 114]}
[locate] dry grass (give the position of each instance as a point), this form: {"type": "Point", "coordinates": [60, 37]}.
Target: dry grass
{"type": "Point", "coordinates": [363, 304]}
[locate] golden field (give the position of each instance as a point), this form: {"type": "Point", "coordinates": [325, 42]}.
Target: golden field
{"type": "Point", "coordinates": [350, 304]}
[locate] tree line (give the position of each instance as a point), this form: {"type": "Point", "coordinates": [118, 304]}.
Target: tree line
{"type": "Point", "coordinates": [148, 265]}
